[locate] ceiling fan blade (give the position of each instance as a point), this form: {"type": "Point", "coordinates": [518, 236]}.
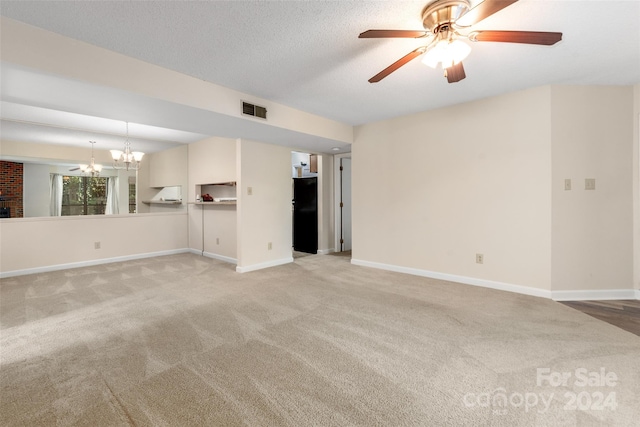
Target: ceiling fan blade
{"type": "Point", "coordinates": [526, 37]}
{"type": "Point", "coordinates": [377, 34]}
{"type": "Point", "coordinates": [73, 169]}
{"type": "Point", "coordinates": [399, 63]}
{"type": "Point", "coordinates": [482, 11]}
{"type": "Point", "coordinates": [455, 73]}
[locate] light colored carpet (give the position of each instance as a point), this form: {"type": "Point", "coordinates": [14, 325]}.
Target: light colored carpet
{"type": "Point", "coordinates": [184, 340]}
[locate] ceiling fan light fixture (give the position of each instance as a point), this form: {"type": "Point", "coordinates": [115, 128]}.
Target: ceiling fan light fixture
{"type": "Point", "coordinates": [447, 53]}
{"type": "Point", "coordinates": [443, 19]}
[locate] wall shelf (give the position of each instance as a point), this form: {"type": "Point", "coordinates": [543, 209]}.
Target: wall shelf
{"type": "Point", "coordinates": [223, 193]}
{"type": "Point", "coordinates": [216, 203]}
{"type": "Point", "coordinates": [162, 202]}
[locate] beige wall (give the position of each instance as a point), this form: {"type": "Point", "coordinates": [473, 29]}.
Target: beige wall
{"type": "Point", "coordinates": [212, 229]}
{"type": "Point", "coordinates": [211, 160]}
{"type": "Point", "coordinates": [265, 215]}
{"type": "Point", "coordinates": [636, 187]}
{"type": "Point", "coordinates": [432, 190]}
{"type": "Point", "coordinates": [167, 168]}
{"type": "Point", "coordinates": [37, 243]}
{"type": "Point", "coordinates": [592, 230]}
{"type": "Point", "coordinates": [143, 186]}
{"type": "Point", "coordinates": [59, 153]}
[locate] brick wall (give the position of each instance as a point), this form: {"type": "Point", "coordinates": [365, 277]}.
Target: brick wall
{"type": "Point", "coordinates": [11, 186]}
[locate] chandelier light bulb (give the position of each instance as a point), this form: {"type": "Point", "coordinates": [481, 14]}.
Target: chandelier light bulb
{"type": "Point", "coordinates": [115, 154]}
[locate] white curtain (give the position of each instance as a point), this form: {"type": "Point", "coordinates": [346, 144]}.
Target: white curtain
{"type": "Point", "coordinates": [55, 205]}
{"type": "Point", "coordinates": [113, 207]}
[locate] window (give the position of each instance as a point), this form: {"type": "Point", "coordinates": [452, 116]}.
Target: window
{"type": "Point", "coordinates": [83, 195]}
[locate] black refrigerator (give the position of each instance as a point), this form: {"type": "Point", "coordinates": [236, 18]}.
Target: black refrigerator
{"type": "Point", "coordinates": [305, 215]}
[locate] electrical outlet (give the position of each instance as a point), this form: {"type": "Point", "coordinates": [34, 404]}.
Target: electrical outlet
{"type": "Point", "coordinates": [217, 240]}
{"type": "Point", "coordinates": [269, 246]}
{"type": "Point", "coordinates": [567, 184]}
{"type": "Point", "coordinates": [479, 258]}
{"type": "Point", "coordinates": [590, 184]}
{"type": "Point", "coordinates": [96, 245]}
{"type": "Point", "coordinates": [249, 191]}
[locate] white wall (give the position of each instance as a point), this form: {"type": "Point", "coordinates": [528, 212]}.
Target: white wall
{"type": "Point", "coordinates": [636, 187]}
{"type": "Point", "coordinates": [167, 168]}
{"type": "Point", "coordinates": [265, 215]}
{"type": "Point", "coordinates": [220, 231]}
{"type": "Point", "coordinates": [488, 177]}
{"type": "Point", "coordinates": [36, 189]}
{"type": "Point", "coordinates": [212, 160]}
{"type": "Point", "coordinates": [32, 244]}
{"type": "Point", "coordinates": [592, 230]}
{"type": "Point", "coordinates": [432, 190]}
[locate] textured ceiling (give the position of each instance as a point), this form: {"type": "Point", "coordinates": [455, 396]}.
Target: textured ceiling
{"type": "Point", "coordinates": [306, 54]}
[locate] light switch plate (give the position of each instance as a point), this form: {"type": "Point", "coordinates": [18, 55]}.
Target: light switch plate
{"type": "Point", "coordinates": [590, 184]}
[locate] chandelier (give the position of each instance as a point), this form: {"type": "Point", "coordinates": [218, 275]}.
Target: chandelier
{"type": "Point", "coordinates": [92, 168]}
{"type": "Point", "coordinates": [127, 159]}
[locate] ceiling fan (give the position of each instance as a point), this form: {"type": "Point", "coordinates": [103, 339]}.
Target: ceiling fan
{"type": "Point", "coordinates": [445, 23]}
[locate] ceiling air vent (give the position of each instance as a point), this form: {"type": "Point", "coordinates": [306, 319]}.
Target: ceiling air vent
{"type": "Point", "coordinates": [254, 110]}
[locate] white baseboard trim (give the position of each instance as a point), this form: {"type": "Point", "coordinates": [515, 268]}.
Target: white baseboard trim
{"type": "Point", "coordinates": [219, 257]}
{"type": "Point", "coordinates": [262, 265]}
{"type": "Point", "coordinates": [458, 279]}
{"type": "Point", "coordinates": [89, 263]}
{"type": "Point", "coordinates": [595, 295]}
{"type": "Point", "coordinates": [582, 295]}
{"type": "Point", "coordinates": [325, 251]}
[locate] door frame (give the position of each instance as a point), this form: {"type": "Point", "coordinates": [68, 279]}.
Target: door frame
{"type": "Point", "coordinates": [337, 192]}
{"type": "Point", "coordinates": [301, 231]}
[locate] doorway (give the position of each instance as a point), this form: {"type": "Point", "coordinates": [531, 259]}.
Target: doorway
{"type": "Point", "coordinates": [305, 203]}
{"type": "Point", "coordinates": [305, 215]}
